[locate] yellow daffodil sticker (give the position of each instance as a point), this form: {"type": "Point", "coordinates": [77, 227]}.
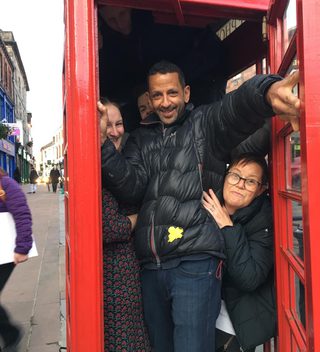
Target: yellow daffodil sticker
{"type": "Point", "coordinates": [175, 233]}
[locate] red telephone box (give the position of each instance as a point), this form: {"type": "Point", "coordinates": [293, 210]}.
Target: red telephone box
{"type": "Point", "coordinates": [293, 30]}
{"type": "Point", "coordinates": [294, 163]}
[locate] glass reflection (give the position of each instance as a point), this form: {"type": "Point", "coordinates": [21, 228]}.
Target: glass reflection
{"type": "Point", "coordinates": [297, 228]}
{"type": "Point", "coordinates": [293, 161]}
{"type": "Point", "coordinates": [289, 23]}
{"type": "Point", "coordinates": [300, 300]}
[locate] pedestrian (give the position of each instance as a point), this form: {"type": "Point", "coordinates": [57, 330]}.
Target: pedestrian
{"type": "Point", "coordinates": [54, 178]}
{"type": "Point", "coordinates": [17, 175]}
{"type": "Point", "coordinates": [179, 245]}
{"type": "Point", "coordinates": [124, 327]}
{"type": "Point", "coordinates": [13, 201]}
{"type": "Point", "coordinates": [48, 181]}
{"type": "Point", "coordinates": [33, 177]}
{"type": "Point", "coordinates": [244, 215]}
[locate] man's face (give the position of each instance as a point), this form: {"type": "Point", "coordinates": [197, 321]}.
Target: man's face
{"type": "Point", "coordinates": [167, 96]}
{"type": "Point", "coordinates": [144, 106]}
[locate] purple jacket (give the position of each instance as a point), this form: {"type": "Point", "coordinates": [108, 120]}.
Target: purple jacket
{"type": "Point", "coordinates": [16, 204]}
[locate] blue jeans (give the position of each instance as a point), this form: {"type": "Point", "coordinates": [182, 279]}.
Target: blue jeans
{"type": "Point", "coordinates": [181, 305]}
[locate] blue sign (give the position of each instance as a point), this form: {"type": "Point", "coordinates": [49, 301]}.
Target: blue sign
{"type": "Point", "coordinates": [7, 147]}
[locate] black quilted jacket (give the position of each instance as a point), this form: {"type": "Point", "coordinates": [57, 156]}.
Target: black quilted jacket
{"type": "Point", "coordinates": [248, 282]}
{"type": "Point", "coordinates": [163, 168]}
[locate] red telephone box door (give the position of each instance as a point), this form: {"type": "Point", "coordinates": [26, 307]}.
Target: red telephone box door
{"type": "Point", "coordinates": [294, 44]}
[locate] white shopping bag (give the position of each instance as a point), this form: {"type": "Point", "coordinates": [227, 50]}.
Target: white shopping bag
{"type": "Point", "coordinates": [8, 239]}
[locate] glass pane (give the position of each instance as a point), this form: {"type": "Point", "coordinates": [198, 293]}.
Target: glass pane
{"type": "Point", "coordinates": [297, 228]}
{"type": "Point", "coordinates": [289, 23]}
{"type": "Point", "coordinates": [293, 66]}
{"type": "Point", "coordinates": [236, 81]}
{"type": "Point", "coordinates": [300, 301]}
{"type": "Point", "coordinates": [293, 161]}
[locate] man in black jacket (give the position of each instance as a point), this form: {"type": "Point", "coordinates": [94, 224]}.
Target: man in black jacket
{"type": "Point", "coordinates": [178, 243]}
{"type": "Point", "coordinates": [54, 178]}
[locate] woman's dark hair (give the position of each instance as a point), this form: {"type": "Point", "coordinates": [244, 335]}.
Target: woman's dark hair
{"type": "Point", "coordinates": [248, 158]}
{"type": "Point", "coordinates": [164, 67]}
{"type": "Point", "coordinates": [2, 172]}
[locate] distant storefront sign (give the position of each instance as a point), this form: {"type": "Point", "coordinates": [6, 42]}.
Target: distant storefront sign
{"type": "Point", "coordinates": [15, 128]}
{"type": "Point", "coordinates": [7, 147]}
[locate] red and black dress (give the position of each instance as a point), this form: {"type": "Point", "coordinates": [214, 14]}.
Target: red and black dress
{"type": "Point", "coordinates": [124, 327]}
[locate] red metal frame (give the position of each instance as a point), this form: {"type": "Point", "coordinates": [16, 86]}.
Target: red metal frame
{"type": "Point", "coordinates": [291, 332]}
{"type": "Point", "coordinates": [83, 199]}
{"type": "Point", "coordinates": [247, 9]}
{"type": "Point", "coordinates": [82, 158]}
{"type": "Point", "coordinates": [308, 51]}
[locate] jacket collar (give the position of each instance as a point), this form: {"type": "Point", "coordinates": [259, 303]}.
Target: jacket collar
{"type": "Point", "coordinates": [244, 214]}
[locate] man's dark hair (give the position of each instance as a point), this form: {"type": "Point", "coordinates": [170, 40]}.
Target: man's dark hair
{"type": "Point", "coordinates": [164, 67]}
{"type": "Point", "coordinates": [248, 158]}
{"type": "Point", "coordinates": [139, 89]}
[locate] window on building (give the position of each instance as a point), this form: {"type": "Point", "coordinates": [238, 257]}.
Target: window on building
{"type": "Point", "coordinates": [1, 64]}
{"type": "Point", "coordinates": [5, 75]}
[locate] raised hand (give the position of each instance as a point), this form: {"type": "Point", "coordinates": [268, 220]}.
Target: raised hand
{"type": "Point", "coordinates": [284, 103]}
{"type": "Point", "coordinates": [103, 121]}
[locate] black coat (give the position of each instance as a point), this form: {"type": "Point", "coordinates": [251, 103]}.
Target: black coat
{"type": "Point", "coordinates": [248, 282]}
{"type": "Point", "coordinates": [164, 166]}
{"type": "Point", "coordinates": [54, 175]}
{"type": "Point", "coordinates": [33, 176]}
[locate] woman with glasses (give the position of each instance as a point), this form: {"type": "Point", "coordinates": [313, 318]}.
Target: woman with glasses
{"type": "Point", "coordinates": [244, 216]}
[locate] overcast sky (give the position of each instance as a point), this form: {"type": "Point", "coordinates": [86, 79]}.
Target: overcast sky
{"type": "Point", "coordinates": [38, 29]}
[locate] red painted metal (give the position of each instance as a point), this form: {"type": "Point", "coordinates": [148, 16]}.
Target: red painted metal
{"type": "Point", "coordinates": [249, 9]}
{"type": "Point", "coordinates": [288, 56]}
{"type": "Point", "coordinates": [177, 7]}
{"type": "Point", "coordinates": [309, 53]}
{"type": "Point", "coordinates": [276, 7]}
{"type": "Point", "coordinates": [288, 264]}
{"type": "Point", "coordinates": [84, 243]}
{"type": "Point", "coordinates": [82, 158]}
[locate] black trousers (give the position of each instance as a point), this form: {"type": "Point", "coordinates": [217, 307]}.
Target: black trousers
{"type": "Point", "coordinates": [228, 343]}
{"type": "Point", "coordinates": [8, 331]}
{"type": "Point", "coordinates": [54, 186]}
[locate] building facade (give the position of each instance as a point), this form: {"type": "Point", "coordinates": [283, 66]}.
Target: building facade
{"type": "Point", "coordinates": [22, 135]}
{"type": "Point", "coordinates": [51, 154]}
{"type": "Point", "coordinates": [7, 146]}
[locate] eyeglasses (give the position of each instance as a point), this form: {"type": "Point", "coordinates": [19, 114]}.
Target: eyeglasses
{"type": "Point", "coordinates": [249, 183]}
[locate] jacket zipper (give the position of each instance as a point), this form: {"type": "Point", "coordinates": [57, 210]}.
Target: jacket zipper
{"type": "Point", "coordinates": [153, 243]}
{"type": "Point", "coordinates": [152, 239]}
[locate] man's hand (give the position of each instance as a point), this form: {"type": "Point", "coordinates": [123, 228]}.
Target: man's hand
{"type": "Point", "coordinates": [103, 121]}
{"type": "Point", "coordinates": [283, 102]}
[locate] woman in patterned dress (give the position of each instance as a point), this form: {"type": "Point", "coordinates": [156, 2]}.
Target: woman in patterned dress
{"type": "Point", "coordinates": [124, 327]}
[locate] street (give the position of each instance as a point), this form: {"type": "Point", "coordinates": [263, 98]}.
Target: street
{"type": "Point", "coordinates": [35, 294]}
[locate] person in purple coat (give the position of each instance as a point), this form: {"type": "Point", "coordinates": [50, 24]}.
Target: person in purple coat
{"type": "Point", "coordinates": [13, 200]}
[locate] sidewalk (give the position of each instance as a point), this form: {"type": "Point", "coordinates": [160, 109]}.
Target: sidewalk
{"type": "Point", "coordinates": [35, 293]}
